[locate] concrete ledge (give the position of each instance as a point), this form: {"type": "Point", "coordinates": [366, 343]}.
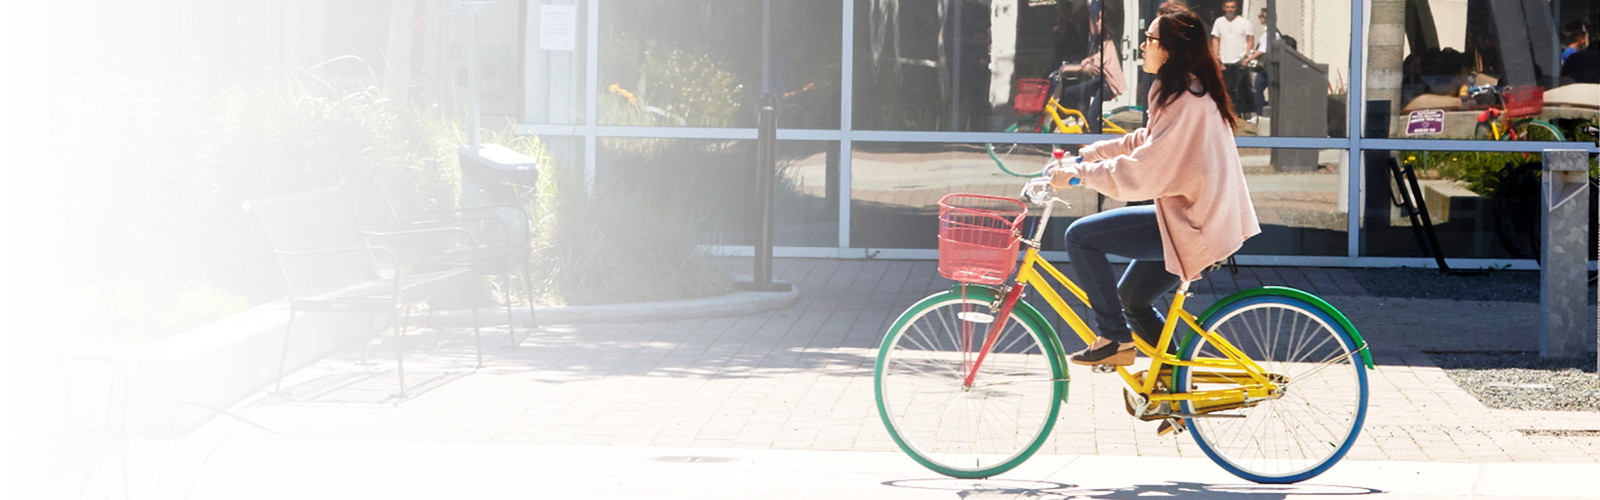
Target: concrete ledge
{"type": "Point", "coordinates": [180, 382]}
{"type": "Point", "coordinates": [734, 304]}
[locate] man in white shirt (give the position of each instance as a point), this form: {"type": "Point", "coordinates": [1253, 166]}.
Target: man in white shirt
{"type": "Point", "coordinates": [1230, 42]}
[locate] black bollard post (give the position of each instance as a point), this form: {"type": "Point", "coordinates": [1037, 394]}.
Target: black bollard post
{"type": "Point", "coordinates": [766, 173]}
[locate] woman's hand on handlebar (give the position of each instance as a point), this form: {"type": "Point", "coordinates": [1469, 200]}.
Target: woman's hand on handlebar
{"type": "Point", "coordinates": [1063, 177]}
{"type": "Point", "coordinates": [1065, 174]}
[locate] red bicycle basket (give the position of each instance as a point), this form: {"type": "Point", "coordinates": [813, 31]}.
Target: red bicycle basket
{"type": "Point", "coordinates": [978, 240]}
{"type": "Point", "coordinates": [1527, 100]}
{"type": "Point", "coordinates": [1031, 95]}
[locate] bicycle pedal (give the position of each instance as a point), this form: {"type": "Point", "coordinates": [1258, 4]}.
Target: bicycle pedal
{"type": "Point", "coordinates": [1104, 369]}
{"type": "Point", "coordinates": [1170, 426]}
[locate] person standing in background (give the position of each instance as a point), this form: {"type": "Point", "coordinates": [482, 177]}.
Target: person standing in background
{"type": "Point", "coordinates": [1230, 42]}
{"type": "Point", "coordinates": [1256, 63]}
{"type": "Point", "coordinates": [1574, 37]}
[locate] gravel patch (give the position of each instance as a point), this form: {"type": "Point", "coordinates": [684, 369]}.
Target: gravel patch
{"type": "Point", "coordinates": [1523, 381]}
{"type": "Point", "coordinates": [1411, 282]}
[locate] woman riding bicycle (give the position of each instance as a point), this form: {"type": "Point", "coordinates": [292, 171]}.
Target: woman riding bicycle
{"type": "Point", "coordinates": [1186, 161]}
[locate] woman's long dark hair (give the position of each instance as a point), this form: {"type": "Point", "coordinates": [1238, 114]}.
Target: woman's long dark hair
{"type": "Point", "coordinates": [1181, 33]}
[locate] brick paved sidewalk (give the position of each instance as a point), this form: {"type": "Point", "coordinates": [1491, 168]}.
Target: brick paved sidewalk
{"type": "Point", "coordinates": [801, 378]}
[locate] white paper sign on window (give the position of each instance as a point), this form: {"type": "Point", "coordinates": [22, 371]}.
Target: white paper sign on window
{"type": "Point", "coordinates": [558, 27]}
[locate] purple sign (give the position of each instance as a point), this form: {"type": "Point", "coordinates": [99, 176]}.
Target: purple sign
{"type": "Point", "coordinates": [1425, 122]}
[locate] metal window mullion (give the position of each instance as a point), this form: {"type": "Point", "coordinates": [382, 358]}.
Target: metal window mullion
{"type": "Point", "coordinates": [1354, 120]}
{"type": "Point", "coordinates": [675, 132]}
{"type": "Point", "coordinates": [591, 95]}
{"type": "Point", "coordinates": [1475, 146]}
{"type": "Point", "coordinates": [846, 101]}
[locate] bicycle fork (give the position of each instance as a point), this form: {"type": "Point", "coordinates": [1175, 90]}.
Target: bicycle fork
{"type": "Point", "coordinates": [1000, 318]}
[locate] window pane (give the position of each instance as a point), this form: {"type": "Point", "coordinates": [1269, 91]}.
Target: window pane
{"type": "Point", "coordinates": [805, 69]}
{"type": "Point", "coordinates": [1299, 195]}
{"type": "Point", "coordinates": [712, 183]}
{"type": "Point", "coordinates": [896, 187]}
{"type": "Point", "coordinates": [1437, 68]}
{"type": "Point", "coordinates": [936, 66]}
{"type": "Point", "coordinates": [694, 63]}
{"type": "Point", "coordinates": [554, 68]}
{"type": "Point", "coordinates": [1481, 204]}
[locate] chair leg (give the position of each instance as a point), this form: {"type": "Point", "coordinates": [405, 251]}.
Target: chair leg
{"type": "Point", "coordinates": [367, 345]}
{"type": "Point", "coordinates": [527, 287]}
{"type": "Point", "coordinates": [511, 320]}
{"type": "Point", "coordinates": [402, 315]}
{"type": "Point", "coordinates": [477, 336]}
{"type": "Point", "coordinates": [283, 354]}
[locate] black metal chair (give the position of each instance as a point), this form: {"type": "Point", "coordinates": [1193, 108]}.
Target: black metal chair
{"type": "Point", "coordinates": [329, 266]}
{"type": "Point", "coordinates": [499, 239]}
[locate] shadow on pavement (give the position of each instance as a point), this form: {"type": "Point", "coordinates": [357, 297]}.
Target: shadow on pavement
{"type": "Point", "coordinates": [980, 489]}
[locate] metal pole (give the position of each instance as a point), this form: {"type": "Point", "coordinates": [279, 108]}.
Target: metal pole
{"type": "Point", "coordinates": [766, 173]}
{"type": "Point", "coordinates": [476, 10]}
{"type": "Point", "coordinates": [766, 169]}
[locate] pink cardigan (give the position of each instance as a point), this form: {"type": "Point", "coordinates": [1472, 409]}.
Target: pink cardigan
{"type": "Point", "coordinates": [1185, 160]}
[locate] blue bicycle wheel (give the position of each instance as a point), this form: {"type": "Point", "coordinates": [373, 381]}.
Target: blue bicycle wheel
{"type": "Point", "coordinates": [1287, 437]}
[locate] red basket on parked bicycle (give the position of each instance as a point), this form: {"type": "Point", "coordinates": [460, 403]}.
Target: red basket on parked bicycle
{"type": "Point", "coordinates": [978, 239]}
{"type": "Point", "coordinates": [1032, 93]}
{"type": "Point", "coordinates": [1526, 100]}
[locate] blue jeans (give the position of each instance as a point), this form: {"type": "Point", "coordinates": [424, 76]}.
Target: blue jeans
{"type": "Point", "coordinates": [1259, 87]}
{"type": "Point", "coordinates": [1133, 233]}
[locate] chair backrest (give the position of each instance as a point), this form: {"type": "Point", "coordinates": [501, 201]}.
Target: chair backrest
{"type": "Point", "coordinates": [316, 221]}
{"type": "Point", "coordinates": [407, 206]}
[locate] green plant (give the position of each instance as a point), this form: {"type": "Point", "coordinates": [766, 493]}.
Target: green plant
{"type": "Point", "coordinates": [623, 244]}
{"type": "Point", "coordinates": [144, 206]}
{"type": "Point", "coordinates": [1479, 171]}
{"type": "Point", "coordinates": [665, 84]}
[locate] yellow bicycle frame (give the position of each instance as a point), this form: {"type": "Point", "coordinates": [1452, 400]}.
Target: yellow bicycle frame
{"type": "Point", "coordinates": [1253, 382]}
{"type": "Point", "coordinates": [1058, 113]}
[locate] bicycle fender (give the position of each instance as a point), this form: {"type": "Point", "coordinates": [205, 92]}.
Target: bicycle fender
{"type": "Point", "coordinates": [1307, 297]}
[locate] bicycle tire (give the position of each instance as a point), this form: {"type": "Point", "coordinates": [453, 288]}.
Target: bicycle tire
{"type": "Point", "coordinates": [1301, 434]}
{"type": "Point", "coordinates": [1538, 130]}
{"type": "Point", "coordinates": [1007, 151]}
{"type": "Point", "coordinates": [955, 430]}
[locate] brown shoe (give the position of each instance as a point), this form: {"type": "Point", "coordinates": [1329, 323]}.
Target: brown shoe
{"type": "Point", "coordinates": [1113, 354]}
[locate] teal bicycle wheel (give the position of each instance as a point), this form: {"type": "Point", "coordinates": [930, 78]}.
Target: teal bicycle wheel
{"type": "Point", "coordinates": [968, 431]}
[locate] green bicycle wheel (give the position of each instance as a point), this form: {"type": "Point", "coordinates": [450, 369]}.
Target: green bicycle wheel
{"type": "Point", "coordinates": [968, 431]}
{"type": "Point", "coordinates": [1538, 130]}
{"type": "Point", "coordinates": [1017, 154]}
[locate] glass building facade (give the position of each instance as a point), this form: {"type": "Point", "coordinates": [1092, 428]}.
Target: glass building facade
{"type": "Point", "coordinates": [884, 106]}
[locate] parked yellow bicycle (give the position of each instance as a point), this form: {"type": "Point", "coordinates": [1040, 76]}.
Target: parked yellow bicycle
{"type": "Point", "coordinates": [1272, 381]}
{"type": "Point", "coordinates": [1039, 111]}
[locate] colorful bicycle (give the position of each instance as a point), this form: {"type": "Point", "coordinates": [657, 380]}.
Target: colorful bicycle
{"type": "Point", "coordinates": [1041, 112]}
{"type": "Point", "coordinates": [1271, 381]}
{"type": "Point", "coordinates": [1510, 112]}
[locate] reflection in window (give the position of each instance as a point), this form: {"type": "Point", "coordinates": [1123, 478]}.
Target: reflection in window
{"type": "Point", "coordinates": [966, 66]}
{"type": "Point", "coordinates": [553, 65]}
{"type": "Point", "coordinates": [679, 63]}
{"type": "Point", "coordinates": [895, 190]}
{"type": "Point", "coordinates": [804, 71]}
{"type": "Point", "coordinates": [712, 183]}
{"type": "Point", "coordinates": [1480, 69]}
{"type": "Point", "coordinates": [1479, 204]}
